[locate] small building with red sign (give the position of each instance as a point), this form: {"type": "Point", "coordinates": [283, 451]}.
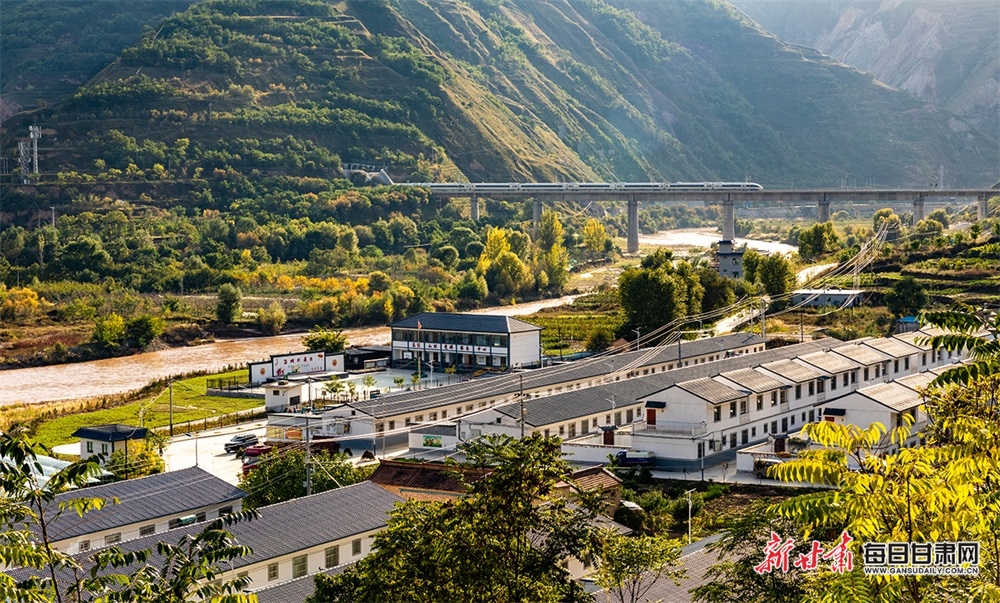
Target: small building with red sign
{"type": "Point", "coordinates": [284, 366]}
{"type": "Point", "coordinates": [468, 342]}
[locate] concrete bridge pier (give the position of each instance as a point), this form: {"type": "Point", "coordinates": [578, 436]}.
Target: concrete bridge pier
{"type": "Point", "coordinates": [981, 207]}
{"type": "Point", "coordinates": [633, 225]}
{"type": "Point", "coordinates": [536, 217]}
{"type": "Point", "coordinates": [823, 210]}
{"type": "Point", "coordinates": [918, 209]}
{"type": "Point", "coordinates": [474, 209]}
{"type": "Point", "coordinates": [728, 220]}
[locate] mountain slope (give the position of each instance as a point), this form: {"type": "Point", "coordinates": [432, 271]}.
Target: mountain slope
{"type": "Point", "coordinates": [943, 51]}
{"type": "Point", "coordinates": [497, 90]}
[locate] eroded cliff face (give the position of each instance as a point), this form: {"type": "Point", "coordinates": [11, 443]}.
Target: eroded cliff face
{"type": "Point", "coordinates": [943, 51]}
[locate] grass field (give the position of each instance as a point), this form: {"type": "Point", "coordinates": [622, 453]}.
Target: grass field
{"type": "Point", "coordinates": [190, 404]}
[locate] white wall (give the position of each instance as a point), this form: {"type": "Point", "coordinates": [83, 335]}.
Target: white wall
{"type": "Point", "coordinates": [524, 348]}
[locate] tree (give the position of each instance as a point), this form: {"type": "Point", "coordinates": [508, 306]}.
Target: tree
{"type": "Point", "coordinates": [141, 460]}
{"type": "Point", "coordinates": [334, 387]}
{"type": "Point", "coordinates": [507, 275]}
{"type": "Point", "coordinates": [109, 331]}
{"type": "Point", "coordinates": [556, 262]}
{"type": "Point", "coordinates": [733, 580]}
{"type": "Point", "coordinates": [505, 539]}
{"type": "Point", "coordinates": [599, 339]}
{"type": "Point", "coordinates": [906, 298]}
{"type": "Point", "coordinates": [650, 297]}
{"type": "Point", "coordinates": [628, 566]}
{"type": "Point", "coordinates": [143, 330]}
{"type": "Point", "coordinates": [776, 274]}
{"type": "Point", "coordinates": [594, 235]}
{"type": "Point", "coordinates": [369, 382]}
{"type": "Point", "coordinates": [818, 240]}
{"type": "Point", "coordinates": [230, 305]}
{"type": "Point", "coordinates": [496, 246]}
{"type": "Point", "coordinates": [399, 381]}
{"type": "Point", "coordinates": [550, 230]}
{"type": "Point", "coordinates": [325, 340]}
{"type": "Point", "coordinates": [271, 319]}
{"type": "Point", "coordinates": [281, 476]}
{"type": "Point", "coordinates": [939, 215]}
{"type": "Point", "coordinates": [471, 287]}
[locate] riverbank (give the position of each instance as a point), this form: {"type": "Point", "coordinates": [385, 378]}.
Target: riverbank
{"type": "Point", "coordinates": [119, 375]}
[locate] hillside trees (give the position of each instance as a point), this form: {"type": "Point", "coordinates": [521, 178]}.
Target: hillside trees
{"type": "Point", "coordinates": [906, 298]}
{"type": "Point", "coordinates": [658, 292]}
{"type": "Point", "coordinates": [817, 241]}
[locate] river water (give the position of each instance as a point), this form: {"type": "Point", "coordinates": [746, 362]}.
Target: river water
{"type": "Point", "coordinates": [686, 238]}
{"type": "Point", "coordinates": [119, 375]}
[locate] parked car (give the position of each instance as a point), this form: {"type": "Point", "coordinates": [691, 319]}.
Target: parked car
{"type": "Point", "coordinates": [240, 442]}
{"type": "Point", "coordinates": [760, 466]}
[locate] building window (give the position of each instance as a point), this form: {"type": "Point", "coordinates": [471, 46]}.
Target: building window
{"type": "Point", "coordinates": [618, 418]}
{"type": "Point", "coordinates": [812, 388]}
{"type": "Point", "coordinates": [812, 416]}
{"type": "Point", "coordinates": [743, 407]}
{"type": "Point", "coordinates": [90, 448]}
{"type": "Point", "coordinates": [432, 416]}
{"type": "Point", "coordinates": [866, 374]}
{"type": "Point", "coordinates": [595, 422]}
{"type": "Point", "coordinates": [173, 523]}
{"type": "Point", "coordinates": [84, 545]}
{"type": "Point", "coordinates": [717, 413]}
{"type": "Point", "coordinates": [147, 530]}
{"type": "Point", "coordinates": [760, 401]}
{"type": "Point", "coordinates": [419, 418]}
{"type": "Point", "coordinates": [732, 440]}
{"type": "Point", "coordinates": [923, 359]}
{"type": "Point", "coordinates": [272, 572]}
{"type": "Point", "coordinates": [833, 383]}
{"type": "Point", "coordinates": [200, 517]}
{"type": "Point", "coordinates": [332, 556]}
{"type": "Point", "coordinates": [732, 409]}
{"type": "Point", "coordinates": [546, 433]}
{"type": "Point", "coordinates": [562, 430]}
{"type": "Point", "coordinates": [821, 386]}
{"type": "Point", "coordinates": [299, 566]}
{"type": "Point", "coordinates": [774, 398]}
{"type": "Point", "coordinates": [744, 436]}
{"type": "Point", "coordinates": [784, 425]}
{"type": "Point", "coordinates": [468, 407]}
{"type": "Point", "coordinates": [607, 419]}
{"type": "Point", "coordinates": [798, 392]}
{"type": "Point", "coordinates": [584, 424]}
{"type": "Point", "coordinates": [845, 379]}
{"type": "Point", "coordinates": [628, 416]}
{"type": "Point", "coordinates": [104, 448]}
{"type": "Point", "coordinates": [774, 427]}
{"type": "Point", "coordinates": [112, 538]}
{"type": "Point", "coordinates": [906, 363]}
{"type": "Point", "coordinates": [793, 419]}
{"type": "Point", "coordinates": [356, 547]}
{"type": "Point", "coordinates": [753, 431]}
{"type": "Point", "coordinates": [895, 366]}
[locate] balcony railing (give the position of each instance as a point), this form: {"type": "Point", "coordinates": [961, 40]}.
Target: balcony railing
{"type": "Point", "coordinates": [689, 430]}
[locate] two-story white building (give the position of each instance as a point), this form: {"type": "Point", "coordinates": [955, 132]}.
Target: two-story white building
{"type": "Point", "coordinates": [468, 342]}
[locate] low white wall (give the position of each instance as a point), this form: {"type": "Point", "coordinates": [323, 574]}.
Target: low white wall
{"type": "Point", "coordinates": [590, 453]}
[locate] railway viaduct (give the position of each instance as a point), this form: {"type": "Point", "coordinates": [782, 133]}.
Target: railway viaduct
{"type": "Point", "coordinates": [822, 198]}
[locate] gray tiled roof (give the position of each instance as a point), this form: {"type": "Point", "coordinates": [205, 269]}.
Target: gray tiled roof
{"type": "Point", "coordinates": [282, 528]}
{"type": "Point", "coordinates": [465, 323]}
{"type": "Point", "coordinates": [892, 346]}
{"type": "Point", "coordinates": [830, 363]}
{"type": "Point", "coordinates": [893, 395]}
{"type": "Point", "coordinates": [507, 384]}
{"type": "Point", "coordinates": [753, 380]}
{"type": "Point", "coordinates": [793, 371]}
{"type": "Point", "coordinates": [711, 390]}
{"type": "Point", "coordinates": [577, 403]}
{"type": "Point", "coordinates": [143, 499]}
{"type": "Point", "coordinates": [862, 354]}
{"type": "Point", "coordinates": [114, 432]}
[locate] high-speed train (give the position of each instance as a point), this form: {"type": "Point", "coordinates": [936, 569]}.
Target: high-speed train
{"type": "Point", "coordinates": [551, 187]}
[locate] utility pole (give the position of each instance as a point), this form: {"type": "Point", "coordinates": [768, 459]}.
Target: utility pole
{"type": "Point", "coordinates": [53, 216]}
{"type": "Point", "coordinates": [521, 398]}
{"type": "Point", "coordinates": [638, 346]}
{"type": "Point", "coordinates": [170, 386]}
{"type": "Point", "coordinates": [801, 332]}
{"type": "Point", "coordinates": [308, 482]}
{"type": "Point", "coordinates": [689, 514]}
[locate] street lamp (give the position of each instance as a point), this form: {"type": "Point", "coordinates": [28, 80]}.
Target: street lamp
{"type": "Point", "coordinates": [195, 436]}
{"type": "Point", "coordinates": [637, 336]}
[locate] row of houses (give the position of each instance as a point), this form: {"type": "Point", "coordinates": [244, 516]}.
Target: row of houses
{"type": "Point", "coordinates": [291, 541]}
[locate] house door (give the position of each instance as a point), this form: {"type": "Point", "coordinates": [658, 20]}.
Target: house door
{"type": "Point", "coordinates": [650, 416]}
{"type": "Point", "coordinates": [609, 437]}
